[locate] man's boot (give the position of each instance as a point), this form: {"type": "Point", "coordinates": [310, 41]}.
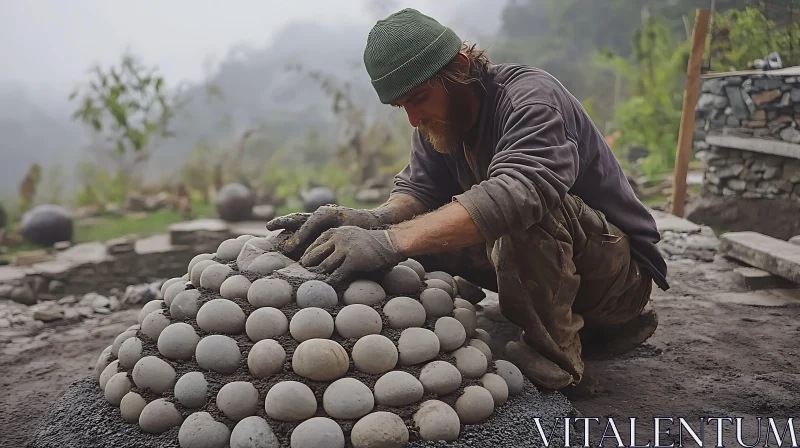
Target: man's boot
{"type": "Point", "coordinates": [539, 370]}
{"type": "Point", "coordinates": [608, 342]}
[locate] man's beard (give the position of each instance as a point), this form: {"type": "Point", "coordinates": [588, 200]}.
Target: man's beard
{"type": "Point", "coordinates": [445, 134]}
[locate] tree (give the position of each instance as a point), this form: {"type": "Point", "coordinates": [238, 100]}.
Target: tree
{"type": "Point", "coordinates": [741, 36]}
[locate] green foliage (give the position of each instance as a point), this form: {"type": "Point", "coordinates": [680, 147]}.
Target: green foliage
{"type": "Point", "coordinates": [741, 36]}
{"type": "Point", "coordinates": [99, 187]}
{"type": "Point", "coordinates": [28, 188]}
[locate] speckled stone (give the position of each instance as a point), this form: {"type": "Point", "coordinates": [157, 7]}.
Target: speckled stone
{"type": "Point", "coordinates": [266, 358]}
{"type": "Point", "coordinates": [197, 259]}
{"type": "Point", "coordinates": [235, 287]}
{"type": "Point", "coordinates": [374, 354]}
{"type": "Point", "coordinates": [379, 430]}
{"type": "Point", "coordinates": [470, 361]}
{"type": "Point", "coordinates": [437, 302]}
{"type": "Point", "coordinates": [253, 432]}
{"type": "Point", "coordinates": [125, 335]}
{"type": "Point", "coordinates": [131, 407]}
{"type": "Point", "coordinates": [218, 353]}
{"type": "Point", "coordinates": [364, 292]}
{"type": "Point", "coordinates": [496, 386]}
{"type": "Point", "coordinates": [184, 306]}
{"type": "Point", "coordinates": [317, 432]}
{"type": "Point", "coordinates": [197, 270]}
{"type": "Point", "coordinates": [290, 401]}
{"type": "Point", "coordinates": [440, 378]}
{"type": "Point", "coordinates": [153, 373]}
{"type": "Point", "coordinates": [213, 276]}
{"type": "Point", "coordinates": [229, 249]}
{"type": "Point", "coordinates": [416, 266]}
{"type": "Point", "coordinates": [237, 400]}
{"type": "Point", "coordinates": [200, 430]}
{"type": "Point", "coordinates": [441, 275]}
{"type": "Point", "coordinates": [274, 292]}
{"type": "Point", "coordinates": [401, 280]}
{"type": "Point", "coordinates": [159, 416]}
{"type": "Point", "coordinates": [450, 332]}
{"type": "Point", "coordinates": [437, 421]}
{"type": "Point", "coordinates": [320, 360]}
{"type": "Point", "coordinates": [154, 324]}
{"type": "Point", "coordinates": [474, 405]}
{"type": "Point", "coordinates": [435, 283]}
{"type": "Point", "coordinates": [266, 323]}
{"type": "Point", "coordinates": [316, 293]}
{"type": "Point", "coordinates": [116, 388]}
{"type": "Point", "coordinates": [468, 319]}
{"type": "Point", "coordinates": [102, 362]}
{"type": "Point", "coordinates": [404, 312]}
{"type": "Point", "coordinates": [512, 376]}
{"type": "Point", "coordinates": [397, 389]}
{"type": "Point", "coordinates": [148, 308]}
{"type": "Point", "coordinates": [311, 323]}
{"type": "Point", "coordinates": [178, 341]}
{"type": "Point", "coordinates": [355, 321]}
{"type": "Point", "coordinates": [347, 399]}
{"type": "Point", "coordinates": [417, 345]}
{"type": "Point", "coordinates": [130, 352]}
{"type": "Point", "coordinates": [167, 284]}
{"type": "Point", "coordinates": [480, 345]}
{"type": "Point", "coordinates": [268, 263]}
{"type": "Point", "coordinates": [191, 390]}
{"type": "Point", "coordinates": [221, 316]}
{"type": "Point", "coordinates": [110, 370]}
{"type": "Point", "coordinates": [173, 290]}
{"type": "Point", "coordinates": [483, 336]}
{"type": "Point", "coordinates": [461, 303]}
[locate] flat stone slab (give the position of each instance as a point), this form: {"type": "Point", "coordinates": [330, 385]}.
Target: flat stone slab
{"type": "Point", "coordinates": [756, 279]}
{"type": "Point", "coordinates": [208, 225]}
{"type": "Point", "coordinates": [668, 222]}
{"type": "Point", "coordinates": [769, 298]}
{"type": "Point", "coordinates": [760, 145]}
{"type": "Point", "coordinates": [94, 252]}
{"type": "Point", "coordinates": [764, 252]}
{"type": "Point", "coordinates": [11, 274]}
{"type": "Point", "coordinates": [155, 244]}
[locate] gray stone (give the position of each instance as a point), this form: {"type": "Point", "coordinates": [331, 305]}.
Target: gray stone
{"type": "Point", "coordinates": [791, 135]}
{"type": "Point", "coordinates": [713, 85]}
{"type": "Point", "coordinates": [756, 279]}
{"type": "Point", "coordinates": [173, 290]}
{"type": "Point", "coordinates": [404, 312]}
{"type": "Point", "coordinates": [471, 362]}
{"type": "Point", "coordinates": [116, 388]}
{"type": "Point", "coordinates": [221, 316]}
{"type": "Point", "coordinates": [238, 400]}
{"type": "Point", "coordinates": [47, 224]}
{"type": "Point", "coordinates": [148, 308]}
{"type": "Point", "coordinates": [320, 360]}
{"type": "Point", "coordinates": [365, 292]}
{"type": "Point", "coordinates": [274, 292]}
{"type": "Point", "coordinates": [437, 421]}
{"type": "Point", "coordinates": [474, 405]}
{"type": "Point", "coordinates": [200, 430]}
{"type": "Point", "coordinates": [496, 386]}
{"type": "Point", "coordinates": [131, 407]}
{"type": "Point", "coordinates": [266, 358]}
{"type": "Point", "coordinates": [355, 321]}
{"type": "Point", "coordinates": [154, 324]}
{"type": "Point", "coordinates": [191, 390]}
{"type": "Point", "coordinates": [416, 266]}
{"type": "Point", "coordinates": [348, 399]}
{"type": "Point", "coordinates": [770, 254]}
{"type": "Point", "coordinates": [417, 345]}
{"type": "Point", "coordinates": [213, 276]}
{"type": "Point", "coordinates": [266, 323]}
{"type": "Point", "coordinates": [795, 240]}
{"type": "Point", "coordinates": [738, 106]}
{"type": "Point", "coordinates": [512, 376]}
{"type": "Point", "coordinates": [178, 341]}
{"type": "Point", "coordinates": [311, 323]}
{"type": "Point", "coordinates": [461, 303]}
{"type": "Point", "coordinates": [316, 293]}
{"type": "Point", "coordinates": [235, 287]}
{"type": "Point", "coordinates": [192, 263]}
{"type": "Point", "coordinates": [468, 319]}
{"type": "Point", "coordinates": [159, 416]}
{"type": "Point", "coordinates": [218, 353]}
{"type": "Point", "coordinates": [401, 280]}
{"type": "Point", "coordinates": [441, 275]}
{"type": "Point", "coordinates": [295, 270]}
{"type": "Point", "coordinates": [253, 432]}
{"type": "Point", "coordinates": [111, 369]}
{"type": "Point", "coordinates": [483, 335]}
{"type": "Point", "coordinates": [230, 248]}
{"type": "Point", "coordinates": [171, 282]}
{"type": "Point", "coordinates": [268, 263]}
{"type": "Point", "coordinates": [198, 269]}
{"type": "Point", "coordinates": [398, 389]}
{"type": "Point", "coordinates": [437, 302]}
{"type": "Point", "coordinates": [130, 352]}
{"type": "Point", "coordinates": [290, 401]}
{"type": "Point", "coordinates": [440, 378]}
{"type": "Point", "coordinates": [483, 347]}
{"type": "Point", "coordinates": [450, 332]}
{"type": "Point", "coordinates": [317, 432]}
{"type": "Point", "coordinates": [153, 373]}
{"type": "Point", "coordinates": [379, 430]}
{"type": "Point", "coordinates": [184, 305]}
{"type": "Point", "coordinates": [374, 354]}
{"type": "Point", "coordinates": [710, 101]}
{"type": "Point", "coordinates": [120, 339]}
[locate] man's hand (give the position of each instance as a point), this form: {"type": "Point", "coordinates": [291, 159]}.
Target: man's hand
{"type": "Point", "coordinates": [311, 225]}
{"type": "Point", "coordinates": [349, 250]}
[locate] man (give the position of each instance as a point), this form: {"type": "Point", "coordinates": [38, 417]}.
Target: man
{"type": "Point", "coordinates": [508, 186]}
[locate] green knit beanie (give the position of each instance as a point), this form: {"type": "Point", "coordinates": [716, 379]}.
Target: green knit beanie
{"type": "Point", "coordinates": [406, 49]}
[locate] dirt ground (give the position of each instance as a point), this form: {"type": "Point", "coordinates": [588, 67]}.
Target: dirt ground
{"type": "Point", "coordinates": [719, 351]}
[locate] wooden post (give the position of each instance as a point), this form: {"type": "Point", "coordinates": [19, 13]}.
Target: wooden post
{"type": "Point", "coordinates": [690, 94]}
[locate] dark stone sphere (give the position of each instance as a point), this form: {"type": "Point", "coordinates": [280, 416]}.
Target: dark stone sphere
{"type": "Point", "coordinates": [47, 224]}
{"type": "Point", "coordinates": [317, 197]}
{"type": "Point", "coordinates": [235, 202]}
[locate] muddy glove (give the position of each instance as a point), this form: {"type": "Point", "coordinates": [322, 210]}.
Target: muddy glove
{"type": "Point", "coordinates": [311, 225]}
{"type": "Point", "coordinates": [350, 250]}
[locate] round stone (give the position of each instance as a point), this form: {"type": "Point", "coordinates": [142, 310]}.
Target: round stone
{"type": "Point", "coordinates": [191, 390]}
{"type": "Point", "coordinates": [197, 270]}
{"type": "Point", "coordinates": [197, 259]}
{"type": "Point", "coordinates": [266, 264]}
{"type": "Point", "coordinates": [184, 305]}
{"type": "Point", "coordinates": [274, 292]}
{"type": "Point", "coordinates": [437, 421]}
{"type": "Point", "coordinates": [266, 358]}
{"type": "Point", "coordinates": [154, 324]}
{"type": "Point", "coordinates": [316, 293]}
{"type": "Point", "coordinates": [221, 316]}
{"type": "Point", "coordinates": [200, 430]}
{"type": "Point", "coordinates": [130, 352]}
{"type": "Point", "coordinates": [404, 312]}
{"type": "Point", "coordinates": [253, 432]}
{"type": "Point", "coordinates": [148, 308]}
{"type": "Point", "coordinates": [450, 332]}
{"type": "Point", "coordinates": [496, 386]}
{"type": "Point", "coordinates": [398, 389]}
{"type": "Point", "coordinates": [254, 248]}
{"type": "Point", "coordinates": [474, 405]}
{"type": "Point", "coordinates": [355, 321]}
{"type": "Point", "coordinates": [110, 370]}
{"type": "Point", "coordinates": [347, 399]}
{"type": "Point", "coordinates": [127, 334]}
{"type": "Point", "coordinates": [213, 276]}
{"type": "Point", "coordinates": [416, 266]}
{"type": "Point", "coordinates": [401, 280]}
{"type": "Point", "coordinates": [116, 388]}
{"type": "Point", "coordinates": [153, 373]}
{"type": "Point", "coordinates": [468, 319]}
{"type": "Point", "coordinates": [435, 283]}
{"type": "Point", "coordinates": [471, 362]}
{"type": "Point", "coordinates": [290, 401]}
{"type": "Point", "coordinates": [237, 400]}
{"type": "Point", "coordinates": [440, 378]}
{"type": "Point", "coordinates": [374, 354]}
{"type": "Point", "coordinates": [235, 287]}
{"type": "Point", "coordinates": [131, 407]}
{"type": "Point", "coordinates": [102, 362]}
{"type": "Point", "coordinates": [266, 323]}
{"type": "Point", "coordinates": [483, 336]}
{"type": "Point", "coordinates": [229, 249]}
{"type": "Point", "coordinates": [159, 416]}
{"type": "Point", "coordinates": [436, 302]}
{"type": "Point", "coordinates": [480, 345]}
{"type": "Point", "coordinates": [417, 345]}
{"type": "Point", "coordinates": [218, 353]}
{"type": "Point", "coordinates": [173, 290]}
{"type": "Point", "coordinates": [311, 323]}
{"type": "Point", "coordinates": [320, 360]}
{"type": "Point", "coordinates": [234, 202]}
{"type": "Point", "coordinates": [167, 284]}
{"type": "Point", "coordinates": [364, 292]}
{"type": "Point", "coordinates": [461, 303]}
{"type": "Point", "coordinates": [512, 376]}
{"type": "Point", "coordinates": [317, 197]}
{"type": "Point", "coordinates": [178, 341]}
{"type": "Point", "coordinates": [317, 432]}
{"type": "Point", "coordinates": [379, 430]}
{"type": "Point", "coordinates": [46, 224]}
{"type": "Point", "coordinates": [441, 275]}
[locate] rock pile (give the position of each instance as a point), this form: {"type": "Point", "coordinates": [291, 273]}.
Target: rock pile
{"type": "Point", "coordinates": [249, 349]}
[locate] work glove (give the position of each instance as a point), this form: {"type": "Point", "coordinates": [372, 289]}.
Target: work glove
{"type": "Point", "coordinates": [349, 250]}
{"type": "Point", "coordinates": [307, 227]}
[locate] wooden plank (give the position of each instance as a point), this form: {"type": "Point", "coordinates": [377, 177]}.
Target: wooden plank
{"type": "Point", "coordinates": [775, 256]}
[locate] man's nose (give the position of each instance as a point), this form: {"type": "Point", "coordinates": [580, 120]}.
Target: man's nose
{"type": "Point", "coordinates": [414, 116]}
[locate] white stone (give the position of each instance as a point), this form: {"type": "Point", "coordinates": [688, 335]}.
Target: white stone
{"type": "Point", "coordinates": [496, 386]}
{"type": "Point", "coordinates": [512, 375]}
{"type": "Point", "coordinates": [320, 360]}
{"type": "Point", "coordinates": [159, 416]}
{"type": "Point", "coordinates": [311, 323]}
{"type": "Point", "coordinates": [127, 334]}
{"type": "Point", "coordinates": [398, 389]}
{"type": "Point", "coordinates": [218, 353]}
{"type": "Point", "coordinates": [130, 352]}
{"type": "Point", "coordinates": [184, 305]}
{"type": "Point", "coordinates": [450, 332]}
{"type": "Point", "coordinates": [374, 354]}
{"type": "Point", "coordinates": [178, 341]}
{"type": "Point", "coordinates": [167, 284]}
{"type": "Point", "coordinates": [317, 432]}
{"type": "Point", "coordinates": [221, 316]}
{"type": "Point", "coordinates": [401, 280]}
{"type": "Point", "coordinates": [404, 312]}
{"type": "Point", "coordinates": [131, 407]}
{"type": "Point", "coordinates": [417, 345]}
{"type": "Point", "coordinates": [191, 390]}
{"type": "Point", "coordinates": [316, 293]}
{"type": "Point", "coordinates": [471, 362]}
{"type": "Point", "coordinates": [379, 430]}
{"type": "Point", "coordinates": [197, 270]}
{"type": "Point", "coordinates": [483, 335]}
{"type": "Point", "coordinates": [116, 388]}
{"type": "Point", "coordinates": [347, 399]}
{"type": "Point", "coordinates": [266, 264]}
{"type": "Point", "coordinates": [364, 292]}
{"type": "Point", "coordinates": [197, 259]}
{"type": "Point", "coordinates": [200, 430]}
{"type": "Point", "coordinates": [440, 378]}
{"type": "Point", "coordinates": [173, 290]}
{"type": "Point", "coordinates": [437, 302]}
{"type": "Point", "coordinates": [154, 324]}
{"type": "Point", "coordinates": [474, 405]}
{"type": "Point", "coordinates": [238, 399]}
{"type": "Point", "coordinates": [480, 345]}
{"type": "Point", "coordinates": [441, 275]}
{"type": "Point", "coordinates": [416, 266]}
{"type": "Point", "coordinates": [437, 421]}
{"type": "Point", "coordinates": [110, 370]}
{"type": "Point", "coordinates": [274, 292]}
{"type": "Point", "coordinates": [468, 319]}
{"type": "Point", "coordinates": [266, 358]}
{"type": "Point", "coordinates": [229, 249]}
{"type": "Point", "coordinates": [253, 432]}
{"type": "Point", "coordinates": [290, 401]}
{"type": "Point", "coordinates": [436, 283]}
{"type": "Point", "coordinates": [461, 303]}
{"type": "Point", "coordinates": [266, 323]}
{"type": "Point", "coordinates": [102, 362]}
{"type": "Point", "coordinates": [148, 308]}
{"type": "Point", "coordinates": [153, 373]}
{"type": "Point", "coordinates": [355, 321]}
{"type": "Point", "coordinates": [213, 276]}
{"type": "Point", "coordinates": [235, 287]}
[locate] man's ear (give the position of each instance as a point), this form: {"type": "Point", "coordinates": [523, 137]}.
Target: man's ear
{"type": "Point", "coordinates": [462, 59]}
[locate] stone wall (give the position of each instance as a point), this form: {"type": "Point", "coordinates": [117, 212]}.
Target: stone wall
{"type": "Point", "coordinates": [751, 175]}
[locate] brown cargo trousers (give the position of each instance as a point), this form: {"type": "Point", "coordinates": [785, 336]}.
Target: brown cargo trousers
{"type": "Point", "coordinates": [573, 272]}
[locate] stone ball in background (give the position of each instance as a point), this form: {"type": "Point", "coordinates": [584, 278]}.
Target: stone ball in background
{"type": "Point", "coordinates": [234, 202]}
{"type": "Point", "coordinates": [47, 224]}
{"type": "Point", "coordinates": [317, 197]}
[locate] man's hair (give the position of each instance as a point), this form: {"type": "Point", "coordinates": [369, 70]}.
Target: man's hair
{"type": "Point", "coordinates": [454, 72]}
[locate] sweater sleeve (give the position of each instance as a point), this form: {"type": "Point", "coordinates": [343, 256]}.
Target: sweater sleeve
{"type": "Point", "coordinates": [535, 165]}
{"type": "Point", "coordinates": [426, 177]}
